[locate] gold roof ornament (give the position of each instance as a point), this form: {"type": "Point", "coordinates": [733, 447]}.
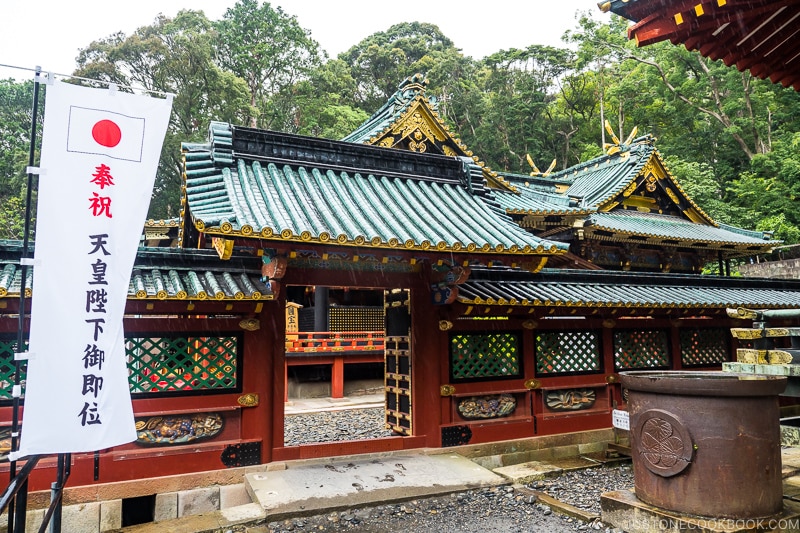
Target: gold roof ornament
{"type": "Point", "coordinates": [536, 171]}
{"type": "Point", "coordinates": [617, 146]}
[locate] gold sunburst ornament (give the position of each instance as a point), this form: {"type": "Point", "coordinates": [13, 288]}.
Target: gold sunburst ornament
{"type": "Point", "coordinates": [616, 146]}
{"type": "Point", "coordinates": [535, 169]}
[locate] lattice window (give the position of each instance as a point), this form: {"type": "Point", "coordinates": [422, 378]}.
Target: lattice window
{"type": "Point", "coordinates": [356, 318]}
{"type": "Point", "coordinates": [561, 352]}
{"type": "Point", "coordinates": [161, 364]}
{"type": "Point", "coordinates": [483, 356]}
{"type": "Point", "coordinates": [636, 348]}
{"type": "Point", "coordinates": [704, 347]}
{"type": "Point", "coordinates": [7, 349]}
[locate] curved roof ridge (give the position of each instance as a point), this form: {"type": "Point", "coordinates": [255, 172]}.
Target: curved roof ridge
{"type": "Point", "coordinates": [409, 99]}
{"type": "Point", "coordinates": [410, 89]}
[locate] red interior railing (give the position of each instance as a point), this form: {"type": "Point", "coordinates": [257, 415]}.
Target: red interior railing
{"type": "Point", "coordinates": [334, 341]}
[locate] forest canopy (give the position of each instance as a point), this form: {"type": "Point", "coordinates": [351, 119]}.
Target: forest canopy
{"type": "Point", "coordinates": [731, 139]}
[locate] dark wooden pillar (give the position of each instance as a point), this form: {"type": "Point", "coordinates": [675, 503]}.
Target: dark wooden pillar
{"type": "Point", "coordinates": [321, 302]}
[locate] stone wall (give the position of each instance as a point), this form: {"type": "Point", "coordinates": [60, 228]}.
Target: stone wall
{"type": "Point", "coordinates": [787, 269]}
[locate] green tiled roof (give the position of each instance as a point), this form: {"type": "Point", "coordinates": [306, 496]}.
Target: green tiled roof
{"type": "Point", "coordinates": [409, 120]}
{"type": "Point", "coordinates": [601, 179]}
{"type": "Point", "coordinates": [569, 288]}
{"type": "Point", "coordinates": [280, 187]}
{"type": "Point", "coordinates": [411, 89]}
{"type": "Point", "coordinates": [668, 227]}
{"type": "Point", "coordinates": [532, 199]}
{"type": "Point", "coordinates": [164, 274]}
{"type": "Point", "coordinates": [590, 187]}
{"type": "Point", "coordinates": [588, 184]}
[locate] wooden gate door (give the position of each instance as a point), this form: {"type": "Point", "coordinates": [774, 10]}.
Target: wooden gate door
{"type": "Point", "coordinates": [397, 361]}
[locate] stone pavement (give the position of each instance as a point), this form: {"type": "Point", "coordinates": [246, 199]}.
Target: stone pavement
{"type": "Point", "coordinates": [314, 405]}
{"type": "Point", "coordinates": [312, 486]}
{"type": "Point", "coordinates": [305, 487]}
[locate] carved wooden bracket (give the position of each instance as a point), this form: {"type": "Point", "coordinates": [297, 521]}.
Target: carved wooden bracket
{"type": "Point", "coordinates": [273, 267]}
{"type": "Point", "coordinates": [446, 278]}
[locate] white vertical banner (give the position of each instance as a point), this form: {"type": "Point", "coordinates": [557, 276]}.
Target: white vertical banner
{"type": "Point", "coordinates": [100, 152]}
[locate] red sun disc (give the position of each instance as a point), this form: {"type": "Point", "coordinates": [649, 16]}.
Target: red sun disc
{"type": "Point", "coordinates": [106, 133]}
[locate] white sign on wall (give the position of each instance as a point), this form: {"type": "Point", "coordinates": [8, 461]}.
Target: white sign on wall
{"type": "Point", "coordinates": [620, 419]}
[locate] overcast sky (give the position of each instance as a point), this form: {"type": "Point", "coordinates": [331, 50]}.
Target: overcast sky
{"type": "Point", "coordinates": [49, 33]}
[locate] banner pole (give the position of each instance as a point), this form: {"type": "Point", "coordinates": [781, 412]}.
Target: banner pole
{"type": "Point", "coordinates": [22, 503]}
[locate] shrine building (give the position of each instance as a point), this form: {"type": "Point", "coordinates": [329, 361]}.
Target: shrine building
{"type": "Point", "coordinates": [497, 306]}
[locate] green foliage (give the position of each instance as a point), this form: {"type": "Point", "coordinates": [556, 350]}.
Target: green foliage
{"type": "Point", "coordinates": [780, 228]}
{"type": "Point", "coordinates": [322, 104]}
{"type": "Point", "coordinates": [703, 187]}
{"type": "Point", "coordinates": [382, 60]}
{"type": "Point", "coordinates": [16, 105]}
{"type": "Point", "coordinates": [270, 51]}
{"type": "Point", "coordinates": [12, 218]}
{"type": "Point", "coordinates": [177, 56]}
{"type": "Point", "coordinates": [16, 101]}
{"type": "Point", "coordinates": [520, 88]}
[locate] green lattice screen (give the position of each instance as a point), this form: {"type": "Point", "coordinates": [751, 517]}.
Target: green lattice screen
{"type": "Point", "coordinates": [160, 364]}
{"type": "Point", "coordinates": [703, 347]}
{"type": "Point", "coordinates": [634, 348]}
{"type": "Point", "coordinates": [492, 355]}
{"type": "Point", "coordinates": [7, 349]}
{"type": "Point", "coordinates": [559, 352]}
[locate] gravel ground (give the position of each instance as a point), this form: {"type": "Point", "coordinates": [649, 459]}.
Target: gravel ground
{"type": "Point", "coordinates": [331, 426]}
{"type": "Point", "coordinates": [493, 510]}
{"type": "Point", "coordinates": [582, 488]}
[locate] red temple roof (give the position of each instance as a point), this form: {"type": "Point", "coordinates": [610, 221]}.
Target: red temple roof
{"type": "Point", "coordinates": [762, 36]}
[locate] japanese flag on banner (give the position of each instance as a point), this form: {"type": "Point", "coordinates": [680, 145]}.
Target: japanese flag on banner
{"type": "Point", "coordinates": [99, 131]}
{"type": "Point", "coordinates": [100, 152]}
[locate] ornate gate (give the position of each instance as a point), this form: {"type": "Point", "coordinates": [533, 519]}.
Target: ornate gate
{"type": "Point", "coordinates": [397, 361]}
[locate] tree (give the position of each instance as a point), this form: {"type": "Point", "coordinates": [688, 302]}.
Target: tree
{"type": "Point", "coordinates": [519, 87]}
{"type": "Point", "coordinates": [270, 51]}
{"type": "Point", "coordinates": [324, 102]}
{"type": "Point", "coordinates": [382, 60]}
{"type": "Point", "coordinates": [702, 185]}
{"type": "Point", "coordinates": [176, 56]}
{"type": "Point", "coordinates": [730, 138]}
{"type": "Point", "coordinates": [16, 101]}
